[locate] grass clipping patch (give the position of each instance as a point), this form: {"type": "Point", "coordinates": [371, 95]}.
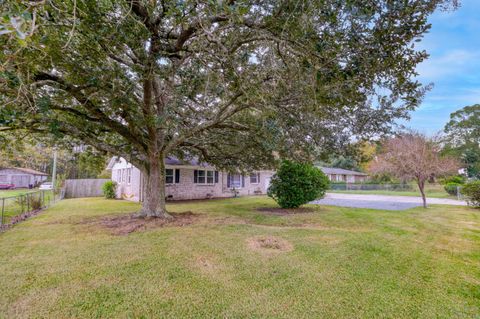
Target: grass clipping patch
{"type": "Point", "coordinates": [269, 244]}
{"type": "Point", "coordinates": [125, 224]}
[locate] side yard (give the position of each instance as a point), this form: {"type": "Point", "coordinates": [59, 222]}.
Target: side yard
{"type": "Point", "coordinates": [16, 202]}
{"type": "Point", "coordinates": [242, 257]}
{"type": "Point", "coordinates": [14, 192]}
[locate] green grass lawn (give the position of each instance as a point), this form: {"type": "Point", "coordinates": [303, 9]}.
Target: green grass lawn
{"type": "Point", "coordinates": [341, 263]}
{"type": "Point", "coordinates": [435, 191]}
{"type": "Point", "coordinates": [14, 192]}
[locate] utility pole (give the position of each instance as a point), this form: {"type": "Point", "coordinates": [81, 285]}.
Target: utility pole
{"type": "Point", "coordinates": [54, 170]}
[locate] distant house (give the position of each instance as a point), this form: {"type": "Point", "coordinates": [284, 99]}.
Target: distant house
{"type": "Point", "coordinates": [22, 177]}
{"type": "Point", "coordinates": [188, 180]}
{"type": "Point", "coordinates": [344, 175]}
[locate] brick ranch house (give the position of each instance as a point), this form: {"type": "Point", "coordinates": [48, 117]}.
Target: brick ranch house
{"type": "Point", "coordinates": [188, 180]}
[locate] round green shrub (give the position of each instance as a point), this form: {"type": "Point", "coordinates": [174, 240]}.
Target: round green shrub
{"type": "Point", "coordinates": [458, 179]}
{"type": "Point", "coordinates": [451, 188]}
{"type": "Point", "coordinates": [110, 189]}
{"type": "Point", "coordinates": [471, 191]}
{"type": "Point", "coordinates": [295, 184]}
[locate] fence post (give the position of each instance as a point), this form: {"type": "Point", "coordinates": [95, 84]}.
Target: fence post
{"type": "Point", "coordinates": [3, 211]}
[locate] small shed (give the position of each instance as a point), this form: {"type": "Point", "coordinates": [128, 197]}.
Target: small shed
{"type": "Point", "coordinates": [22, 177]}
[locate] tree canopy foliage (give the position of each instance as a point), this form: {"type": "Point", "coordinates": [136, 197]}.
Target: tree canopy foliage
{"type": "Point", "coordinates": [230, 82]}
{"type": "Point", "coordinates": [32, 152]}
{"type": "Point", "coordinates": [463, 137]}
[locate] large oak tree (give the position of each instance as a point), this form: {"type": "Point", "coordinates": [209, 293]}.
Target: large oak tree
{"type": "Point", "coordinates": [231, 82]}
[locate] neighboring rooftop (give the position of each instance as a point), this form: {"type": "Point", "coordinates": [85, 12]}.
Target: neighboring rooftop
{"type": "Point", "coordinates": [26, 170]}
{"type": "Point", "coordinates": [340, 171]}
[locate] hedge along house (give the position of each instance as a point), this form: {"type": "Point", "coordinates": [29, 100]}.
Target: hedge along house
{"type": "Point", "coordinates": [22, 177]}
{"type": "Point", "coordinates": [188, 180]}
{"type": "Point", "coordinates": [344, 175]}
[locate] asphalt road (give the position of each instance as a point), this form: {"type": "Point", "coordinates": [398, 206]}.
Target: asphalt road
{"type": "Point", "coordinates": [382, 202]}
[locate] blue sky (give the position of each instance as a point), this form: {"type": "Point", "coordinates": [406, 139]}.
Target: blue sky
{"type": "Point", "coordinates": [453, 66]}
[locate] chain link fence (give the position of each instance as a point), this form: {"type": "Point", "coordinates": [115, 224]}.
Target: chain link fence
{"type": "Point", "coordinates": [14, 208]}
{"type": "Point", "coordinates": [371, 187]}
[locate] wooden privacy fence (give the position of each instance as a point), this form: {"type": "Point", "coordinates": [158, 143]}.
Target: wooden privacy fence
{"type": "Point", "coordinates": [75, 188]}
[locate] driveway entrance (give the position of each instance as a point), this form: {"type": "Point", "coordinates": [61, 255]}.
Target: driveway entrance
{"type": "Point", "coordinates": [383, 202]}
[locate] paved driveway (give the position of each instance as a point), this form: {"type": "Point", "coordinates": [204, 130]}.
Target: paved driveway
{"type": "Point", "coordinates": [383, 202]}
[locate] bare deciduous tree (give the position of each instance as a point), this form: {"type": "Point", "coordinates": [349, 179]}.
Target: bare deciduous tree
{"type": "Point", "coordinates": [413, 156]}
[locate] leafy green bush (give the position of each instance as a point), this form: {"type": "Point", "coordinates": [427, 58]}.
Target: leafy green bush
{"type": "Point", "coordinates": [110, 189]}
{"type": "Point", "coordinates": [296, 184]}
{"type": "Point", "coordinates": [451, 188]}
{"type": "Point", "coordinates": [458, 179]}
{"type": "Point", "coordinates": [471, 191]}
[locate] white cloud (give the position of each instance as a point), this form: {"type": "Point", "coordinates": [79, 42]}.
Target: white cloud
{"type": "Point", "coordinates": [459, 97]}
{"type": "Point", "coordinates": [454, 62]}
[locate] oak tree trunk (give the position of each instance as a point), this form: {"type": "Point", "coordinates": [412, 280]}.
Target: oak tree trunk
{"type": "Point", "coordinates": [154, 190]}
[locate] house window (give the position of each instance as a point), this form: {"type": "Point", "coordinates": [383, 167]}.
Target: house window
{"type": "Point", "coordinates": [235, 181]}
{"type": "Point", "coordinates": [209, 177]}
{"type": "Point", "coordinates": [129, 176]}
{"type": "Point", "coordinates": [172, 176]}
{"type": "Point", "coordinates": [254, 178]}
{"type": "Point", "coordinates": [169, 177]}
{"type": "Point", "coordinates": [205, 176]}
{"type": "Point", "coordinates": [123, 175]}
{"type": "Point", "coordinates": [201, 177]}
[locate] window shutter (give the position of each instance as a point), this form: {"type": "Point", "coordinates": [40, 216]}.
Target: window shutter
{"type": "Point", "coordinates": [177, 176]}
{"type": "Point", "coordinates": [228, 180]}
{"type": "Point", "coordinates": [216, 176]}
{"type": "Point", "coordinates": [258, 177]}
{"type": "Point", "coordinates": [243, 181]}
{"type": "Point", "coordinates": [195, 176]}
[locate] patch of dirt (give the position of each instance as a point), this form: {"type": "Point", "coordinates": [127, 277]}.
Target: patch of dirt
{"type": "Point", "coordinates": [192, 201]}
{"type": "Point", "coordinates": [122, 225]}
{"type": "Point", "coordinates": [269, 244]}
{"type": "Point", "coordinates": [205, 264]}
{"type": "Point", "coordinates": [285, 211]}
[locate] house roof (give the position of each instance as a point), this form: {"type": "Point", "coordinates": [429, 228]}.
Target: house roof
{"type": "Point", "coordinates": [112, 161]}
{"type": "Point", "coordinates": [170, 160]}
{"type": "Point", "coordinates": [340, 171]}
{"type": "Point", "coordinates": [26, 170]}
